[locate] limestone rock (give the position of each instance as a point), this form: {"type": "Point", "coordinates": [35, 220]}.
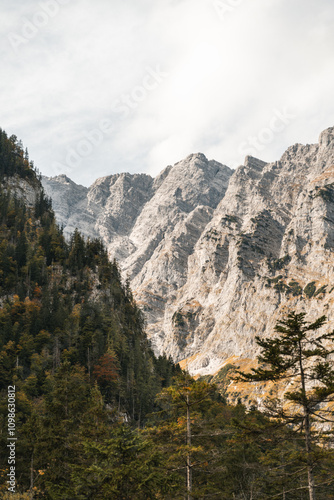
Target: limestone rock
{"type": "Point", "coordinates": [215, 257]}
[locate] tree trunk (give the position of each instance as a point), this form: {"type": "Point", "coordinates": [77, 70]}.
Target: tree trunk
{"type": "Point", "coordinates": [189, 471]}
{"type": "Point", "coordinates": [309, 464]}
{"type": "Point", "coordinates": [31, 490]}
{"type": "Point", "coordinates": [307, 429]}
{"type": "Point", "coordinates": [88, 362]}
{"type": "Point", "coordinates": [56, 355]}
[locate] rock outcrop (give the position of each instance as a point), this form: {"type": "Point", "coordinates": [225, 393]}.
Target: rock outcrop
{"type": "Point", "coordinates": [215, 257]}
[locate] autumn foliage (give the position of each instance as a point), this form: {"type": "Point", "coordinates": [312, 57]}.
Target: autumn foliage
{"type": "Point", "coordinates": [106, 369]}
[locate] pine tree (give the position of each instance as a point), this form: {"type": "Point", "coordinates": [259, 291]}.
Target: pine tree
{"type": "Point", "coordinates": [65, 404]}
{"type": "Point", "coordinates": [191, 430]}
{"type": "Point", "coordinates": [299, 354]}
{"type": "Point", "coordinates": [121, 465]}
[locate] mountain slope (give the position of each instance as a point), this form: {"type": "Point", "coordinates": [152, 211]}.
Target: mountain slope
{"type": "Point", "coordinates": [216, 257]}
{"type": "Point", "coordinates": [65, 301]}
{"type": "Point", "coordinates": [268, 240]}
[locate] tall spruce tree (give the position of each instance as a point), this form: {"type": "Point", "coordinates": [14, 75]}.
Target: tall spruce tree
{"type": "Point", "coordinates": [190, 428]}
{"type": "Point", "coordinates": [299, 354]}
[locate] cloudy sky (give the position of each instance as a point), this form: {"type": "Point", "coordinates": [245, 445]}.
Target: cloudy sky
{"type": "Point", "coordinates": [95, 87]}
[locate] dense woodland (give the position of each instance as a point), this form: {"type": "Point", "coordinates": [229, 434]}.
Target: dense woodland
{"type": "Point", "coordinates": [98, 416]}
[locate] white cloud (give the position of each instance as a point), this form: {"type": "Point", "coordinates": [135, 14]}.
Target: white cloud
{"type": "Point", "coordinates": [227, 74]}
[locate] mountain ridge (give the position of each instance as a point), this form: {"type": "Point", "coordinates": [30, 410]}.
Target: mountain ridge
{"type": "Point", "coordinates": [214, 256]}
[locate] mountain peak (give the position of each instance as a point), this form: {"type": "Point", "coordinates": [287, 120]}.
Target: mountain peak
{"type": "Point", "coordinates": [196, 156]}
{"type": "Point", "coordinates": [61, 178]}
{"type": "Point", "coordinates": [326, 137]}
{"type": "Point", "coordinates": [254, 163]}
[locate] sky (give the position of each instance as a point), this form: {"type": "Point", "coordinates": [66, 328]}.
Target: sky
{"type": "Point", "coordinates": [96, 87]}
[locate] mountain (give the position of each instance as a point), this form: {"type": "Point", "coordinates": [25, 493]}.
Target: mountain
{"type": "Point", "coordinates": [216, 257]}
{"type": "Point", "coordinates": [86, 409]}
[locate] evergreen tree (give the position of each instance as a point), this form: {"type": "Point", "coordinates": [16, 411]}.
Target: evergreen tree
{"type": "Point", "coordinates": [191, 430]}
{"type": "Point", "coordinates": [299, 354]}
{"type": "Point", "coordinates": [121, 466]}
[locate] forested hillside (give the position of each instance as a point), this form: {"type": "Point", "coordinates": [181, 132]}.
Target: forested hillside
{"type": "Point", "coordinates": [88, 410]}
{"type": "Point", "coordinates": [70, 332]}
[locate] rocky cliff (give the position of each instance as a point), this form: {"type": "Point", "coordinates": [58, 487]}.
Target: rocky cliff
{"type": "Point", "coordinates": [215, 257]}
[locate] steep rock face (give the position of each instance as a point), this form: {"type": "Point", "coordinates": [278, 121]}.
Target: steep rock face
{"type": "Point", "coordinates": [24, 189]}
{"type": "Point", "coordinates": [69, 204]}
{"type": "Point", "coordinates": [267, 246]}
{"type": "Point", "coordinates": [215, 259]}
{"type": "Point", "coordinates": [166, 232]}
{"type": "Point", "coordinates": [108, 209]}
